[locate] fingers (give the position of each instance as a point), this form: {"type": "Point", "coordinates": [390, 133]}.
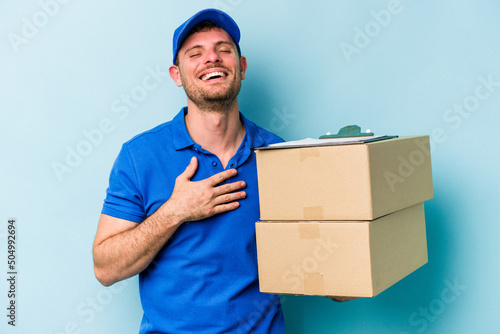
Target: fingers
{"type": "Point", "coordinates": [229, 188]}
{"type": "Point", "coordinates": [213, 180]}
{"type": "Point", "coordinates": [225, 207]}
{"type": "Point", "coordinates": [195, 200]}
{"type": "Point", "coordinates": [221, 177]}
{"type": "Point", "coordinates": [190, 169]}
{"type": "Point", "coordinates": [341, 299]}
{"type": "Point", "coordinates": [229, 197]}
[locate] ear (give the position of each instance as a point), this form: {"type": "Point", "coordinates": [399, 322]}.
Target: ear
{"type": "Point", "coordinates": [174, 74]}
{"type": "Point", "coordinates": [243, 66]}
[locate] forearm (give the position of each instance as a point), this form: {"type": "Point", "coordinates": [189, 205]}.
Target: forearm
{"type": "Point", "coordinates": [129, 252]}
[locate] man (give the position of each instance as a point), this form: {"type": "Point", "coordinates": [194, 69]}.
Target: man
{"type": "Point", "coordinates": [182, 202]}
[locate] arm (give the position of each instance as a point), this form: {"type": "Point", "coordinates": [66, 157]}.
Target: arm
{"type": "Point", "coordinates": [123, 248]}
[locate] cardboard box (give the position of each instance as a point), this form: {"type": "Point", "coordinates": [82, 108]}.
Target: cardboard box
{"type": "Point", "coordinates": [340, 258]}
{"type": "Point", "coordinates": [344, 182]}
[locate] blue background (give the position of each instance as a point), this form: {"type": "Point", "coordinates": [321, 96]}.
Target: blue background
{"type": "Point", "coordinates": [394, 67]}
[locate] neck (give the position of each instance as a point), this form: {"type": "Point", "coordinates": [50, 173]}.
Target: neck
{"type": "Point", "coordinates": [223, 106]}
{"type": "Point", "coordinates": [217, 131]}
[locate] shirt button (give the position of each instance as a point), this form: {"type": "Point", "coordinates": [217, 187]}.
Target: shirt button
{"type": "Point", "coordinates": [232, 166]}
{"type": "Point", "coordinates": [214, 164]}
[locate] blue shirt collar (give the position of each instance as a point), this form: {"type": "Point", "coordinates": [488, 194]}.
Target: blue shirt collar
{"type": "Point", "coordinates": [182, 139]}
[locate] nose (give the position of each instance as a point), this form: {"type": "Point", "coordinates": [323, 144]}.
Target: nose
{"type": "Point", "coordinates": [212, 56]}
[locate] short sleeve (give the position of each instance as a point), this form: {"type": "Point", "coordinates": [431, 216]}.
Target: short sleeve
{"type": "Point", "coordinates": [123, 197]}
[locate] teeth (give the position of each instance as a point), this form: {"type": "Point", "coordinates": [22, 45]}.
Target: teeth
{"type": "Point", "coordinates": [211, 75]}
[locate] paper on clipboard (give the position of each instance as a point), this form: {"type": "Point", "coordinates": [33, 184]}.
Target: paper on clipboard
{"type": "Point", "coordinates": [308, 142]}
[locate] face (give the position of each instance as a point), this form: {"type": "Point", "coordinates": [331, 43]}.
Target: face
{"type": "Point", "coordinates": [209, 69]}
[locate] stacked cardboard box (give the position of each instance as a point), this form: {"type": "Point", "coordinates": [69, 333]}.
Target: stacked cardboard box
{"type": "Point", "coordinates": [342, 220]}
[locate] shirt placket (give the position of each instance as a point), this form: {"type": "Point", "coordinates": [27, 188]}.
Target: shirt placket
{"type": "Point", "coordinates": [208, 159]}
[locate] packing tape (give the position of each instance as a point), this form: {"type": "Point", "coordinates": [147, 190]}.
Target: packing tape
{"type": "Point", "coordinates": [308, 231]}
{"type": "Point", "coordinates": [313, 212]}
{"type": "Point", "coordinates": [314, 284]}
{"type": "Point", "coordinates": [308, 152]}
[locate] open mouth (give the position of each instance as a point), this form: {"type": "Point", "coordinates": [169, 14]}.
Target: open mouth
{"type": "Point", "coordinates": [213, 75]}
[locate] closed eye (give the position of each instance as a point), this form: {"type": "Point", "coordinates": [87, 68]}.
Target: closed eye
{"type": "Point", "coordinates": [225, 47]}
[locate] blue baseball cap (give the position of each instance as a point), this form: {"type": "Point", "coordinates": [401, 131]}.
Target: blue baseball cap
{"type": "Point", "coordinates": [216, 16]}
